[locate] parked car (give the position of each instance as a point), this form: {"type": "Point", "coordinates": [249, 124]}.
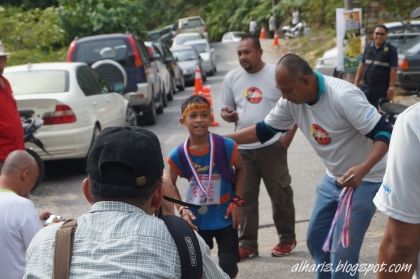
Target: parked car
{"type": "Point", "coordinates": [180, 39]}
{"type": "Point", "coordinates": [207, 53]}
{"type": "Point", "coordinates": [163, 35]}
{"type": "Point", "coordinates": [328, 63]}
{"type": "Point", "coordinates": [409, 64]}
{"type": "Point", "coordinates": [141, 90]}
{"type": "Point", "coordinates": [192, 24]}
{"type": "Point", "coordinates": [233, 36]}
{"type": "Point", "coordinates": [166, 84]}
{"type": "Point", "coordinates": [74, 103]}
{"type": "Point", "coordinates": [172, 65]}
{"type": "Point", "coordinates": [188, 59]}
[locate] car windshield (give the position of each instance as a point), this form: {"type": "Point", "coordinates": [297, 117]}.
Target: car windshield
{"type": "Point", "coordinates": [90, 52]}
{"type": "Point", "coordinates": [415, 46]}
{"type": "Point", "coordinates": [182, 39]}
{"type": "Point", "coordinates": [191, 23]}
{"type": "Point", "coordinates": [39, 81]}
{"type": "Point", "coordinates": [185, 55]}
{"type": "Point", "coordinates": [200, 48]}
{"type": "Point", "coordinates": [404, 42]}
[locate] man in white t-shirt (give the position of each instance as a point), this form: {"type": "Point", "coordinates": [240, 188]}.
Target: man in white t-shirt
{"type": "Point", "coordinates": [19, 220]}
{"type": "Point", "coordinates": [399, 197]}
{"type": "Point", "coordinates": [351, 138]}
{"type": "Point", "coordinates": [248, 94]}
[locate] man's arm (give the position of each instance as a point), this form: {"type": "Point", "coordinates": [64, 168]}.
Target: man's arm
{"type": "Point", "coordinates": [286, 139]}
{"type": "Point", "coordinates": [359, 74]}
{"type": "Point", "coordinates": [170, 190]}
{"type": "Point", "coordinates": [239, 183]}
{"type": "Point", "coordinates": [245, 135]}
{"type": "Point", "coordinates": [392, 82]}
{"type": "Point", "coordinates": [259, 132]}
{"type": "Point", "coordinates": [400, 245]}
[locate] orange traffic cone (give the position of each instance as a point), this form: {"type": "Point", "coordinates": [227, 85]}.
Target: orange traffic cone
{"type": "Point", "coordinates": [262, 33]}
{"type": "Point", "coordinates": [198, 82]}
{"type": "Point", "coordinates": [206, 93]}
{"type": "Point", "coordinates": [276, 40]}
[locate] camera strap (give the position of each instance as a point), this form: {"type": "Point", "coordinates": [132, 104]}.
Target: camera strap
{"type": "Point", "coordinates": [184, 238]}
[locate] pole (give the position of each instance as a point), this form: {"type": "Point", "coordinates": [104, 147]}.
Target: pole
{"type": "Point", "coordinates": [348, 4]}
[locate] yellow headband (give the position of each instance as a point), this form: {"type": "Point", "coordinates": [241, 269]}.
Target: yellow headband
{"type": "Point", "coordinates": [195, 107]}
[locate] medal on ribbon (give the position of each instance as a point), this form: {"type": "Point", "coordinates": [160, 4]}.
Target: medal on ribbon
{"type": "Point", "coordinates": [204, 208]}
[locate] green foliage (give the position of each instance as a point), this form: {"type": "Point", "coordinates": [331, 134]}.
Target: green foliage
{"type": "Point", "coordinates": [34, 32]}
{"type": "Point", "coordinates": [90, 17]}
{"type": "Point", "coordinates": [41, 30]}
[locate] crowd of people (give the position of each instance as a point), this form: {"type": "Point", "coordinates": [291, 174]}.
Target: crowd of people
{"type": "Point", "coordinates": [122, 235]}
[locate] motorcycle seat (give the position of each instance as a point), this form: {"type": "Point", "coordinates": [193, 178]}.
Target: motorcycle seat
{"type": "Point", "coordinates": [393, 108]}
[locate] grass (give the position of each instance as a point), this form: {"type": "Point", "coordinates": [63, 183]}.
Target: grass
{"type": "Point", "coordinates": [311, 46]}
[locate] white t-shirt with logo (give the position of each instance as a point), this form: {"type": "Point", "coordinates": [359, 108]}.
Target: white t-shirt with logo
{"type": "Point", "coordinates": [252, 96]}
{"type": "Point", "coordinates": [399, 195]}
{"type": "Point", "coordinates": [335, 126]}
{"type": "Point", "coordinates": [19, 222]}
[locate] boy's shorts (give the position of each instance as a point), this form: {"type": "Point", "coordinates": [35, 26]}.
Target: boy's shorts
{"type": "Point", "coordinates": [227, 245]}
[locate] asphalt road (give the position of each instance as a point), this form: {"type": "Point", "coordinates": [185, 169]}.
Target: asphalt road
{"type": "Point", "coordinates": [61, 194]}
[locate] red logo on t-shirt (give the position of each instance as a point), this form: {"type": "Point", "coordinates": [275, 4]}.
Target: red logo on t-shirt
{"type": "Point", "coordinates": [320, 135]}
{"type": "Point", "coordinates": [253, 95]}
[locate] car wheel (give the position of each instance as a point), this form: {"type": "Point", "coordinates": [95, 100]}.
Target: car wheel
{"type": "Point", "coordinates": [163, 100]}
{"type": "Point", "coordinates": [131, 117]}
{"type": "Point", "coordinates": [172, 91]}
{"type": "Point", "coordinates": [182, 86]}
{"type": "Point", "coordinates": [163, 103]}
{"type": "Point", "coordinates": [96, 132]}
{"type": "Point", "coordinates": [149, 115]}
{"type": "Point", "coordinates": [41, 167]}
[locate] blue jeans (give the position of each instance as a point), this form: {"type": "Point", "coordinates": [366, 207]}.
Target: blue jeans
{"type": "Point", "coordinates": [341, 263]}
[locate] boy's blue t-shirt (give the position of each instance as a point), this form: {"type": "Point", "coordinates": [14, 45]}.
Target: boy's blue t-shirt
{"type": "Point", "coordinates": [214, 218]}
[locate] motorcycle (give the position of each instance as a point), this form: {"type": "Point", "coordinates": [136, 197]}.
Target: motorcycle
{"type": "Point", "coordinates": [30, 126]}
{"type": "Point", "coordinates": [390, 110]}
{"type": "Point", "coordinates": [294, 31]}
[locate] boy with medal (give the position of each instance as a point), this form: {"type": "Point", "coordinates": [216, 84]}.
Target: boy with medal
{"type": "Point", "coordinates": [214, 169]}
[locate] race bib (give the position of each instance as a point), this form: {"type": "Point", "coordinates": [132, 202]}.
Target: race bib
{"type": "Point", "coordinates": [196, 196]}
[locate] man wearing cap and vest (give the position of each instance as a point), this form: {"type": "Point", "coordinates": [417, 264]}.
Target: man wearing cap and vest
{"type": "Point", "coordinates": [378, 68]}
{"type": "Point", "coordinates": [11, 131]}
{"type": "Point", "coordinates": [118, 237]}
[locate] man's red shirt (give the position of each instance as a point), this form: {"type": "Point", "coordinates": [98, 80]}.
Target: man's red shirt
{"type": "Point", "coordinates": [11, 131]}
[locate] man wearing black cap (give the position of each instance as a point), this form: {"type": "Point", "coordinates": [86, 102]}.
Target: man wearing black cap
{"type": "Point", "coordinates": [119, 237]}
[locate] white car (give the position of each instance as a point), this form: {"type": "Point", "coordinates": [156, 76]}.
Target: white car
{"type": "Point", "coordinates": [233, 36]}
{"type": "Point", "coordinates": [192, 24]}
{"type": "Point", "coordinates": [207, 54]}
{"type": "Point", "coordinates": [74, 103]}
{"type": "Point", "coordinates": [182, 38]}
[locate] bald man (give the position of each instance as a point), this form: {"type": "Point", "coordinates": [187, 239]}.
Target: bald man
{"type": "Point", "coordinates": [19, 220]}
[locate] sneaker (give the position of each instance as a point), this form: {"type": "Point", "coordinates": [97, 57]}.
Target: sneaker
{"type": "Point", "coordinates": [284, 249]}
{"type": "Point", "coordinates": [247, 253]}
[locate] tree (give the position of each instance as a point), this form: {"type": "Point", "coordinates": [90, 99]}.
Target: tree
{"type": "Point", "coordinates": [90, 17]}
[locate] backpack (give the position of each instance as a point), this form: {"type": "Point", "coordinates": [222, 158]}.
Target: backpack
{"type": "Point", "coordinates": [184, 237]}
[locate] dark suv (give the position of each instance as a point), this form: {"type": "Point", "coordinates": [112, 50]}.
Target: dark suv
{"type": "Point", "coordinates": [132, 55]}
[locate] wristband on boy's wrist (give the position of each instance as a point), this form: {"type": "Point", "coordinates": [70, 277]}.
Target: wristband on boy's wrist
{"type": "Point", "coordinates": [238, 201]}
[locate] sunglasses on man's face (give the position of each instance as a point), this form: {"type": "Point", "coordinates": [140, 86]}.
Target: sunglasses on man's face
{"type": "Point", "coordinates": [379, 34]}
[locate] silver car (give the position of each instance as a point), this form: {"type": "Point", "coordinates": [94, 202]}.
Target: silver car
{"type": "Point", "coordinates": [207, 54]}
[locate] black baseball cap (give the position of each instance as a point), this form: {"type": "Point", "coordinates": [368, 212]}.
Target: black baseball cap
{"type": "Point", "coordinates": [126, 157]}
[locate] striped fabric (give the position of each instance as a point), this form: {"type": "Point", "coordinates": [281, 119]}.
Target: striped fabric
{"type": "Point", "coordinates": [116, 240]}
